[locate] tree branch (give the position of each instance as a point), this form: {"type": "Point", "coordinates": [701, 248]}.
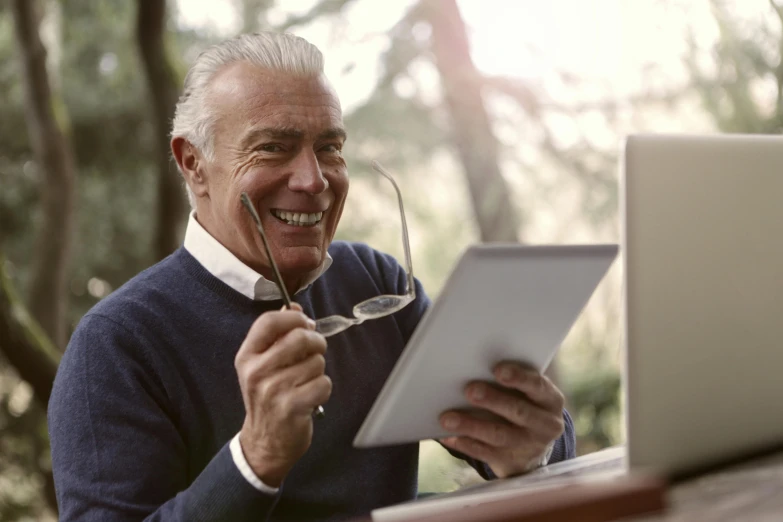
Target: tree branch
{"type": "Point", "coordinates": [47, 127]}
{"type": "Point", "coordinates": [324, 7]}
{"type": "Point", "coordinates": [528, 99]}
{"type": "Point", "coordinates": [162, 84]}
{"type": "Point", "coordinates": [403, 49]}
{"type": "Point", "coordinates": [518, 91]}
{"type": "Point", "coordinates": [24, 343]}
{"type": "Point", "coordinates": [474, 140]}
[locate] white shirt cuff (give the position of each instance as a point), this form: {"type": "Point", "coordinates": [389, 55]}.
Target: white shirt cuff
{"type": "Point", "coordinates": [246, 470]}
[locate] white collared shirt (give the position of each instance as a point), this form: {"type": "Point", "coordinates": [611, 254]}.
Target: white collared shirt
{"type": "Point", "coordinates": [224, 265]}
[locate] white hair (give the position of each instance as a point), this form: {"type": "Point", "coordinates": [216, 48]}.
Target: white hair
{"type": "Point", "coordinates": [283, 52]}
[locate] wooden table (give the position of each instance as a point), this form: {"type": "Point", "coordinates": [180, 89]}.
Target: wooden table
{"type": "Point", "coordinates": [748, 492]}
{"type": "Point", "coordinates": [751, 491]}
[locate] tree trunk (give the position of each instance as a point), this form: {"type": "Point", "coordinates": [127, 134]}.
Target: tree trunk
{"type": "Point", "coordinates": [24, 344]}
{"type": "Point", "coordinates": [472, 132]}
{"type": "Point", "coordinates": [47, 126]}
{"type": "Point", "coordinates": [162, 83]}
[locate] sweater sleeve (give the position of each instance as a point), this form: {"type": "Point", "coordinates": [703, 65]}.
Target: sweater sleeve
{"type": "Point", "coordinates": [116, 452]}
{"type": "Point", "coordinates": [565, 446]}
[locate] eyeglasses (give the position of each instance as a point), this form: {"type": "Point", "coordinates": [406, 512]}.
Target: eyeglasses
{"type": "Point", "coordinates": [373, 308]}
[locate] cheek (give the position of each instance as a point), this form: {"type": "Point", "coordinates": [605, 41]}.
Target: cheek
{"type": "Point", "coordinates": [339, 185]}
{"type": "Point", "coordinates": [253, 178]}
{"type": "Point", "coordinates": [242, 169]}
{"type": "Point", "coordinates": [237, 220]}
{"type": "Point", "coordinates": [339, 182]}
{"type": "Point", "coordinates": [226, 182]}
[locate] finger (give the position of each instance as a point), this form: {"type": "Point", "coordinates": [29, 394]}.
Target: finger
{"type": "Point", "coordinates": [294, 306]}
{"type": "Point", "coordinates": [538, 388]}
{"type": "Point", "coordinates": [277, 388]}
{"type": "Point", "coordinates": [472, 448]}
{"type": "Point", "coordinates": [294, 347]}
{"type": "Point", "coordinates": [305, 398]}
{"type": "Point", "coordinates": [516, 409]}
{"type": "Point", "coordinates": [305, 371]}
{"type": "Point", "coordinates": [492, 433]}
{"type": "Point", "coordinates": [272, 325]}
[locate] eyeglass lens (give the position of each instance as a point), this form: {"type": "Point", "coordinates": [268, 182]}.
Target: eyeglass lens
{"type": "Point", "coordinates": [373, 308]}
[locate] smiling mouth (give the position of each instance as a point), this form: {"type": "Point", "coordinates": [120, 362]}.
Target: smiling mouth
{"type": "Point", "coordinates": [298, 219]}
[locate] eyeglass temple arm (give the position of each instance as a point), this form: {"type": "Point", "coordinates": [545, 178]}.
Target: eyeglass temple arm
{"type": "Point", "coordinates": [278, 278]}
{"type": "Point", "coordinates": [410, 286]}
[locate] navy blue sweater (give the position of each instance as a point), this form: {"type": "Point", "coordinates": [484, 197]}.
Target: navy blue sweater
{"type": "Point", "coordinates": [146, 400]}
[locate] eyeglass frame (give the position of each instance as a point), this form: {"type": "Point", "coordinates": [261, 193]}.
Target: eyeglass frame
{"type": "Point", "coordinates": [410, 287]}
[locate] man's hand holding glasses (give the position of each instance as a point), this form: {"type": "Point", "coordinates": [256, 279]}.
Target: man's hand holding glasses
{"type": "Point", "coordinates": [281, 366]}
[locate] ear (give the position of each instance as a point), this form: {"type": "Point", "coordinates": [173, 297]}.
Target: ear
{"type": "Point", "coordinates": [191, 164]}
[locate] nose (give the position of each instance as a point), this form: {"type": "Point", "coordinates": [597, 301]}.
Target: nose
{"type": "Point", "coordinates": [307, 175]}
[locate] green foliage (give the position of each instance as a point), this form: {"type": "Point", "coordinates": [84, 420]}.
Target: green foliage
{"type": "Point", "coordinates": [96, 72]}
{"type": "Point", "coordinates": [23, 447]}
{"type": "Point", "coordinates": [402, 131]}
{"type": "Point", "coordinates": [17, 309]}
{"type": "Point", "coordinates": [320, 9]}
{"type": "Point", "coordinates": [745, 60]}
{"type": "Point", "coordinates": [439, 471]}
{"type": "Point", "coordinates": [594, 399]}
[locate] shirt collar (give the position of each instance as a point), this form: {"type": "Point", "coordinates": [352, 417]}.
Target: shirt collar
{"type": "Point", "coordinates": [224, 265]}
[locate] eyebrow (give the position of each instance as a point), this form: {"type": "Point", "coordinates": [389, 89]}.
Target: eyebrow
{"type": "Point", "coordinates": [283, 133]}
{"type": "Point", "coordinates": [334, 132]}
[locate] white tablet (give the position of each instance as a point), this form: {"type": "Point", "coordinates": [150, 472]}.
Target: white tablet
{"type": "Point", "coordinates": [501, 302]}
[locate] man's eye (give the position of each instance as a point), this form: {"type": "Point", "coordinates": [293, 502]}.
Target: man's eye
{"type": "Point", "coordinates": [331, 148]}
{"type": "Point", "coordinates": [270, 147]}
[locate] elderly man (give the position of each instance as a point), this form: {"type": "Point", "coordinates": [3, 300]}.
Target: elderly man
{"type": "Point", "coordinates": [188, 393]}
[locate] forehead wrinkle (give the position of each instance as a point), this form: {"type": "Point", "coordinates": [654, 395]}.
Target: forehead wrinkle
{"type": "Point", "coordinates": [289, 99]}
{"type": "Point", "coordinates": [304, 119]}
{"type": "Point", "coordinates": [290, 112]}
{"type": "Point", "coordinates": [242, 83]}
{"type": "Point", "coordinates": [246, 100]}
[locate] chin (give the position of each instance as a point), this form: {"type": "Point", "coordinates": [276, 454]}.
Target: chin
{"type": "Point", "coordinates": [301, 260]}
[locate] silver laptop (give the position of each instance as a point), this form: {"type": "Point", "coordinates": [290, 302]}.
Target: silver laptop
{"type": "Point", "coordinates": [702, 220]}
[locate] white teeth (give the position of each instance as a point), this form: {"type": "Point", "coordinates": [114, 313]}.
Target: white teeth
{"type": "Point", "coordinates": [298, 218]}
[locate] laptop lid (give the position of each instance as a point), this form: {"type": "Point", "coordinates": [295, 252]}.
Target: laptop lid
{"type": "Point", "coordinates": [703, 260]}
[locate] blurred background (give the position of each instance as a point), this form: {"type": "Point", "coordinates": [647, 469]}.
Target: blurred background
{"type": "Point", "coordinates": [520, 102]}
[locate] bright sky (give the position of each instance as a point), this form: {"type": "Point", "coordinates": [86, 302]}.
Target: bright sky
{"type": "Point", "coordinates": [602, 39]}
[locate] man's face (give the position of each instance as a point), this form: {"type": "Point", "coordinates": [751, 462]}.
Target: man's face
{"type": "Point", "coordinates": [278, 138]}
